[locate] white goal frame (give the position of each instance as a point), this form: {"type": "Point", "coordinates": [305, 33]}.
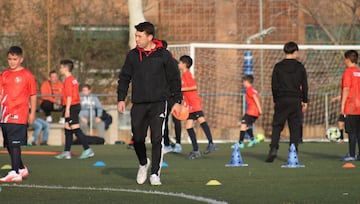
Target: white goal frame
{"type": "Point", "coordinates": [192, 47]}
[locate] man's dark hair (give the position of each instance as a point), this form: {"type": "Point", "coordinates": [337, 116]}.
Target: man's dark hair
{"type": "Point", "coordinates": [147, 27]}
{"type": "Point", "coordinates": [249, 78]}
{"type": "Point", "coordinates": [290, 47]}
{"type": "Point", "coordinates": [186, 60]}
{"type": "Point", "coordinates": [352, 55]}
{"type": "Point", "coordinates": [68, 63]}
{"type": "Point", "coordinates": [86, 86]}
{"type": "Point", "coordinates": [15, 50]}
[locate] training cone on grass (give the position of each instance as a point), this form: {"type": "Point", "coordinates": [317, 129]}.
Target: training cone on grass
{"type": "Point", "coordinates": [348, 165]}
{"type": "Point", "coordinates": [164, 164]}
{"type": "Point", "coordinates": [236, 159]}
{"type": "Point", "coordinates": [293, 160]}
{"type": "Point", "coordinates": [6, 167]}
{"type": "Point", "coordinates": [99, 164]}
{"type": "Point", "coordinates": [213, 183]}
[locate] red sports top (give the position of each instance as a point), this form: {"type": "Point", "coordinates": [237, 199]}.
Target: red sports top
{"type": "Point", "coordinates": [192, 98]}
{"type": "Point", "coordinates": [71, 89]}
{"type": "Point", "coordinates": [17, 87]}
{"type": "Point", "coordinates": [250, 102]}
{"type": "Point", "coordinates": [351, 80]}
{"type": "Point", "coordinates": [47, 88]}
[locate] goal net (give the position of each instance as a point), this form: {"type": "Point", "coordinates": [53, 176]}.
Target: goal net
{"type": "Point", "coordinates": [218, 69]}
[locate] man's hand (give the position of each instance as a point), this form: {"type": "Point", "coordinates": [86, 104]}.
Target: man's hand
{"type": "Point", "coordinates": [97, 119]}
{"type": "Point", "coordinates": [304, 106]}
{"type": "Point", "coordinates": [121, 107]}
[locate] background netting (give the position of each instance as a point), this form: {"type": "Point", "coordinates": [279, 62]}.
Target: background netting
{"type": "Point", "coordinates": [218, 70]}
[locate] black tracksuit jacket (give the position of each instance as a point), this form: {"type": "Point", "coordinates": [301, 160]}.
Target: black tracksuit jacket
{"type": "Point", "coordinates": [154, 76]}
{"type": "Point", "coordinates": [289, 79]}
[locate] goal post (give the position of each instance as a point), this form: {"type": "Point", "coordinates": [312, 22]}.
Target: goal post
{"type": "Point", "coordinates": [218, 69]}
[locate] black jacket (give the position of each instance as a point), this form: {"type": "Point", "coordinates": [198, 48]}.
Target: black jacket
{"type": "Point", "coordinates": [289, 79]}
{"type": "Point", "coordinates": [154, 76]}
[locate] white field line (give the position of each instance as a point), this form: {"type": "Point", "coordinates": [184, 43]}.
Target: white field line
{"type": "Point", "coordinates": [180, 195]}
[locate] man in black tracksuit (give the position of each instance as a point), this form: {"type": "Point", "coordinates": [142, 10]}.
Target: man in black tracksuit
{"type": "Point", "coordinates": [156, 84]}
{"type": "Point", "coordinates": [290, 94]}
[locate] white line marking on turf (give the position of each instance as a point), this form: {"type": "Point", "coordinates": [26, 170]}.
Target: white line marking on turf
{"type": "Point", "coordinates": [180, 195]}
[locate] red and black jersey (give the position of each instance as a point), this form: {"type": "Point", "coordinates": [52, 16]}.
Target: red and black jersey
{"type": "Point", "coordinates": [351, 80]}
{"type": "Point", "coordinates": [71, 89]}
{"type": "Point", "coordinates": [250, 102]}
{"type": "Point", "coordinates": [192, 98]}
{"type": "Point", "coordinates": [17, 87]}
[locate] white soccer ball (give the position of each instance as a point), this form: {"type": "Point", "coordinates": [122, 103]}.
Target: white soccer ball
{"type": "Point", "coordinates": [332, 133]}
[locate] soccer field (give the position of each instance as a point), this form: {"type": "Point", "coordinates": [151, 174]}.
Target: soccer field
{"type": "Point", "coordinates": [323, 180]}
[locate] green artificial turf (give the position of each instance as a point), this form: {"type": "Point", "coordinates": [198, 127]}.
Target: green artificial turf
{"type": "Point", "coordinates": [323, 180]}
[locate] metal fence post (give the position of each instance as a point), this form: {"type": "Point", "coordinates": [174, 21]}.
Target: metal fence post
{"type": "Point", "coordinates": [326, 110]}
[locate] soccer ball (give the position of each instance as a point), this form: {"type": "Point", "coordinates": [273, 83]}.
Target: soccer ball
{"type": "Point", "coordinates": [260, 137]}
{"type": "Point", "coordinates": [332, 133]}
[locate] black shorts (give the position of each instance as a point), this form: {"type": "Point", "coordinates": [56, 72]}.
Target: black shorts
{"type": "Point", "coordinates": [14, 134]}
{"type": "Point", "coordinates": [352, 124]}
{"type": "Point", "coordinates": [341, 118]}
{"type": "Point", "coordinates": [74, 115]}
{"type": "Point", "coordinates": [249, 120]}
{"type": "Point", "coordinates": [195, 115]}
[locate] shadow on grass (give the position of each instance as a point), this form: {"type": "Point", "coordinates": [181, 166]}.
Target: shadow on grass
{"type": "Point", "coordinates": [128, 173]}
{"type": "Point", "coordinates": [321, 155]}
{"type": "Point", "coordinates": [262, 156]}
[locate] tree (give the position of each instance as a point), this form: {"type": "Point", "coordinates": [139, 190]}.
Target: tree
{"type": "Point", "coordinates": [337, 21]}
{"type": "Point", "coordinates": [136, 16]}
{"type": "Point", "coordinates": [88, 32]}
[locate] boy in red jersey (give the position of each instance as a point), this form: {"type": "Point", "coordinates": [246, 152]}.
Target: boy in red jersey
{"type": "Point", "coordinates": [252, 113]}
{"type": "Point", "coordinates": [193, 102]}
{"type": "Point", "coordinates": [71, 101]}
{"type": "Point", "coordinates": [350, 102]}
{"type": "Point", "coordinates": [18, 87]}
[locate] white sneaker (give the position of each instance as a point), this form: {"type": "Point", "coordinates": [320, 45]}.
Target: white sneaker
{"type": "Point", "coordinates": [64, 155]}
{"type": "Point", "coordinates": [24, 172]}
{"type": "Point", "coordinates": [155, 180]}
{"type": "Point", "coordinates": [167, 149]}
{"type": "Point", "coordinates": [49, 119]}
{"type": "Point", "coordinates": [142, 172]}
{"type": "Point", "coordinates": [62, 120]}
{"type": "Point", "coordinates": [177, 148]}
{"type": "Point", "coordinates": [12, 176]}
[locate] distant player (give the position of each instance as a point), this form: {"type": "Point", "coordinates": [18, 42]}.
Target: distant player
{"type": "Point", "coordinates": [71, 101]}
{"type": "Point", "coordinates": [350, 102]}
{"type": "Point", "coordinates": [177, 126]}
{"type": "Point", "coordinates": [290, 94]}
{"type": "Point", "coordinates": [340, 122]}
{"type": "Point", "coordinates": [193, 102]}
{"type": "Point", "coordinates": [18, 88]}
{"type": "Point", "coordinates": [252, 113]}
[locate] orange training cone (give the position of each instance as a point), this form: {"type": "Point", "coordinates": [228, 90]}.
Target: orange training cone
{"type": "Point", "coordinates": [348, 165]}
